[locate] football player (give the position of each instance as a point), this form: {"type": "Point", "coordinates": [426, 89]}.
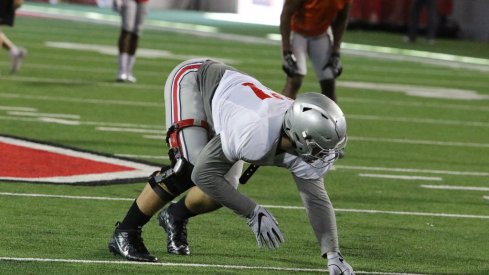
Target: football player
{"type": "Point", "coordinates": [218, 117]}
{"type": "Point", "coordinates": [132, 14]}
{"type": "Point", "coordinates": [7, 17]}
{"type": "Point", "coordinates": [304, 28]}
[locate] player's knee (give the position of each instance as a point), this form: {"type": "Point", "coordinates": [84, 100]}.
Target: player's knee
{"type": "Point", "coordinates": [171, 181]}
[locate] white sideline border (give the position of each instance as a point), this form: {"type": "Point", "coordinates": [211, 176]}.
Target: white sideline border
{"type": "Point", "coordinates": [242, 267]}
{"type": "Point", "coordinates": [348, 210]}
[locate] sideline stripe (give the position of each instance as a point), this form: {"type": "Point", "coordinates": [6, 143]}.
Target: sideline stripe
{"type": "Point", "coordinates": [208, 31]}
{"type": "Point", "coordinates": [369, 211]}
{"type": "Point", "coordinates": [189, 265]}
{"type": "Point", "coordinates": [400, 177]}
{"type": "Point", "coordinates": [454, 187]}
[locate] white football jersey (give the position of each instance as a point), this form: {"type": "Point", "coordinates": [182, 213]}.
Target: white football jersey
{"type": "Point", "coordinates": [248, 116]}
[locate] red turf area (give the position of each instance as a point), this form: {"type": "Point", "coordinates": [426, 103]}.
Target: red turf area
{"type": "Point", "coordinates": [23, 162]}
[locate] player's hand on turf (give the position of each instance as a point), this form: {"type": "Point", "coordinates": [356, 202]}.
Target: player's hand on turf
{"type": "Point", "coordinates": [265, 227]}
{"type": "Point", "coordinates": [290, 64]}
{"type": "Point", "coordinates": [335, 64]}
{"type": "Point", "coordinates": [337, 265]}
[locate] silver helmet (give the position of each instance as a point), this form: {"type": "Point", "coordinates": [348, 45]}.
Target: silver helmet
{"type": "Point", "coordinates": [316, 127]}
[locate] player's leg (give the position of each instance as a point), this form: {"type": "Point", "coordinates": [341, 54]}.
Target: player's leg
{"type": "Point", "coordinates": [163, 186]}
{"type": "Point", "coordinates": [299, 47]}
{"type": "Point", "coordinates": [319, 53]}
{"type": "Point", "coordinates": [174, 218]}
{"type": "Point", "coordinates": [128, 15]}
{"type": "Point", "coordinates": [197, 202]}
{"type": "Point", "coordinates": [17, 54]}
{"type": "Point", "coordinates": [181, 87]}
{"type": "Point", "coordinates": [141, 11]}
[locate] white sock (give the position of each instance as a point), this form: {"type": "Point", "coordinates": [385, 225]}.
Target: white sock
{"type": "Point", "coordinates": [123, 61]}
{"type": "Point", "coordinates": [130, 63]}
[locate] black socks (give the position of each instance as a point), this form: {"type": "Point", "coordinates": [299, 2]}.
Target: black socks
{"type": "Point", "coordinates": [180, 211]}
{"type": "Point", "coordinates": [134, 218]}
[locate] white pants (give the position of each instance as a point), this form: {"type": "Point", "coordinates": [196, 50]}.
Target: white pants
{"type": "Point", "coordinates": [132, 15]}
{"type": "Point", "coordinates": [318, 48]}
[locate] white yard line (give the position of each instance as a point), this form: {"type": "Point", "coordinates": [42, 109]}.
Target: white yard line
{"type": "Point", "coordinates": [14, 108]}
{"type": "Point", "coordinates": [36, 114]}
{"type": "Point", "coordinates": [411, 170]}
{"type": "Point", "coordinates": [369, 211]}
{"type": "Point", "coordinates": [190, 265]}
{"type": "Point", "coordinates": [399, 177]}
{"type": "Point", "coordinates": [65, 197]}
{"type": "Point", "coordinates": [486, 197]}
{"type": "Point", "coordinates": [421, 142]}
{"type": "Point", "coordinates": [455, 187]}
{"type": "Point", "coordinates": [420, 120]}
{"type": "Point", "coordinates": [127, 130]}
{"type": "Point", "coordinates": [142, 156]}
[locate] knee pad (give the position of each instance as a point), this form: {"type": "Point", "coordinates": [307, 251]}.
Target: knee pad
{"type": "Point", "coordinates": [172, 181]}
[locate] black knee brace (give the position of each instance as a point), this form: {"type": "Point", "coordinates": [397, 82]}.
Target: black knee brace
{"type": "Point", "coordinates": [172, 181]}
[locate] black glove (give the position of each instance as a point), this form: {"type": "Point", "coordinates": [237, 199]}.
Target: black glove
{"type": "Point", "coordinates": [334, 63]}
{"type": "Point", "coordinates": [290, 64]}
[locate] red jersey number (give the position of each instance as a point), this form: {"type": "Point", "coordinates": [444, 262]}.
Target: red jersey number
{"type": "Point", "coordinates": [260, 93]}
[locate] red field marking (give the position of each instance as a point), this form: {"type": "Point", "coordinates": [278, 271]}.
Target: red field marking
{"type": "Point", "coordinates": [24, 162]}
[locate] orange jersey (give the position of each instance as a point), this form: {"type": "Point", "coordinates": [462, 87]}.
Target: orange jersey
{"type": "Point", "coordinates": [316, 16]}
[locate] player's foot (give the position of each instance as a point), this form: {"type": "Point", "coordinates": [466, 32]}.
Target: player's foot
{"type": "Point", "coordinates": [176, 232]}
{"type": "Point", "coordinates": [126, 78]}
{"type": "Point", "coordinates": [129, 244]}
{"type": "Point", "coordinates": [17, 56]}
{"type": "Point", "coordinates": [121, 77]}
{"type": "Point", "coordinates": [130, 78]}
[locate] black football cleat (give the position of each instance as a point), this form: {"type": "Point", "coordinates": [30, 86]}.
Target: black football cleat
{"type": "Point", "coordinates": [176, 232]}
{"type": "Point", "coordinates": [129, 244]}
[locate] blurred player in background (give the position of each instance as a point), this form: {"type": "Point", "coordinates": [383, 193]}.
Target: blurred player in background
{"type": "Point", "coordinates": [132, 14]}
{"type": "Point", "coordinates": [218, 117]}
{"type": "Point", "coordinates": [414, 16]}
{"type": "Point", "coordinates": [304, 28]}
{"type": "Point", "coordinates": [7, 17]}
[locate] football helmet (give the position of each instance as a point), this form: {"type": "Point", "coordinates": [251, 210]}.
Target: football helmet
{"type": "Point", "coordinates": [316, 127]}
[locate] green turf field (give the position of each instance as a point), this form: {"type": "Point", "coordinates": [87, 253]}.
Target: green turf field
{"type": "Point", "coordinates": [412, 193]}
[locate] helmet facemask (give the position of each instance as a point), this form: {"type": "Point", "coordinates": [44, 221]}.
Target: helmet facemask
{"type": "Point", "coordinates": [319, 157]}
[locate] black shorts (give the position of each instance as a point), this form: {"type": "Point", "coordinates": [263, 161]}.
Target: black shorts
{"type": "Point", "coordinates": [7, 12]}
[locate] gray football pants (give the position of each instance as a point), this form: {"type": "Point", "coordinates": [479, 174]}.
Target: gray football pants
{"type": "Point", "coordinates": [183, 100]}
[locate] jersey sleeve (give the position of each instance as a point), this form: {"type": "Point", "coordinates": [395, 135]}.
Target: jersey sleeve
{"type": "Point", "coordinates": [320, 213]}
{"type": "Point", "coordinates": [209, 175]}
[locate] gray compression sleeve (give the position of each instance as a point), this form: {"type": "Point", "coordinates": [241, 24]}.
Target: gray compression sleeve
{"type": "Point", "coordinates": [208, 175]}
{"type": "Point", "coordinates": [320, 213]}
